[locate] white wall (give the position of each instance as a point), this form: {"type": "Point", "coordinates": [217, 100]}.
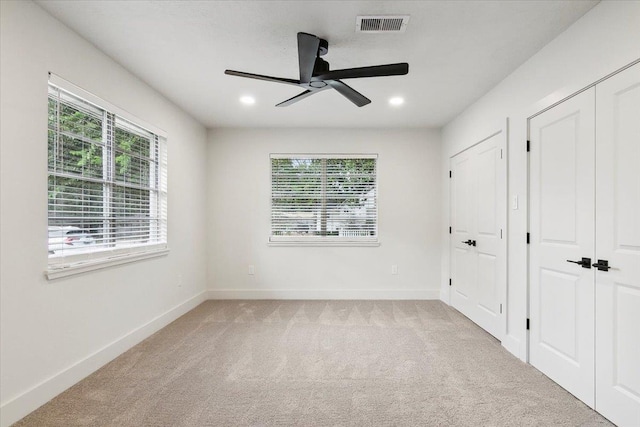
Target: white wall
{"type": "Point", "coordinates": [54, 333]}
{"type": "Point", "coordinates": [409, 218]}
{"type": "Point", "coordinates": [602, 41]}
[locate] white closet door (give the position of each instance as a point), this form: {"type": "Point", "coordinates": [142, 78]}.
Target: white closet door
{"type": "Point", "coordinates": [463, 257]}
{"type": "Point", "coordinates": [476, 219]}
{"type": "Point", "coordinates": [618, 242]}
{"type": "Point", "coordinates": [562, 168]}
{"type": "Point", "coordinates": [487, 235]}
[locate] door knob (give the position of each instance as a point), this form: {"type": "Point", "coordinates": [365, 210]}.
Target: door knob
{"type": "Point", "coordinates": [584, 263]}
{"type": "Point", "coordinates": [470, 242]}
{"type": "Point", "coordinates": [602, 265]}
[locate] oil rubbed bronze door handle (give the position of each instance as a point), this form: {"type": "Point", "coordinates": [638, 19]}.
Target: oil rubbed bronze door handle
{"type": "Point", "coordinates": [602, 265]}
{"type": "Point", "coordinates": [584, 263]}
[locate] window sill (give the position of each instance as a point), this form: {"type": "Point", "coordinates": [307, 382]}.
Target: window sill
{"type": "Point", "coordinates": [73, 268]}
{"type": "Point", "coordinates": [298, 243]}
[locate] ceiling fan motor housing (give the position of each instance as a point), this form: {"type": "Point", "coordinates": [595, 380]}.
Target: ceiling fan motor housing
{"type": "Point", "coordinates": [320, 67]}
{"type": "Point", "coordinates": [323, 48]}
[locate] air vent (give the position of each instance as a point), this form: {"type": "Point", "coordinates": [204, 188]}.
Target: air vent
{"type": "Point", "coordinates": [382, 24]}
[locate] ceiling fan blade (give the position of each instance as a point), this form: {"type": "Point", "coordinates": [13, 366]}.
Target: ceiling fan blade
{"type": "Point", "coordinates": [348, 92]}
{"type": "Point", "coordinates": [308, 45]}
{"type": "Point", "coordinates": [301, 96]}
{"type": "Point", "coordinates": [373, 71]}
{"type": "Point", "coordinates": [260, 77]}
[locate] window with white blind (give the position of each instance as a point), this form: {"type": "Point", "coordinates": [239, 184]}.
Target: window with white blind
{"type": "Point", "coordinates": [324, 199]}
{"type": "Point", "coordinates": [107, 192]}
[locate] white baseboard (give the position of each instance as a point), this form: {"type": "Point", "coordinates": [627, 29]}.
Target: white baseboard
{"type": "Point", "coordinates": [325, 294]}
{"type": "Point", "coordinates": [20, 406]}
{"type": "Point", "coordinates": [445, 296]}
{"type": "Point", "coordinates": [515, 347]}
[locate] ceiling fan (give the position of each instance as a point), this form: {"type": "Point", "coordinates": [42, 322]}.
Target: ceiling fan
{"type": "Point", "coordinates": [315, 75]}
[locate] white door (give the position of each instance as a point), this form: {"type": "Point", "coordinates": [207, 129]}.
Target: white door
{"type": "Point", "coordinates": [463, 258]}
{"type": "Point", "coordinates": [618, 242]}
{"type": "Point", "coordinates": [562, 170]}
{"type": "Point", "coordinates": [478, 196]}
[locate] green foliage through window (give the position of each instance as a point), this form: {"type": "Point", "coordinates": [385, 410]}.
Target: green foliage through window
{"type": "Point", "coordinates": [316, 196]}
{"type": "Point", "coordinates": [107, 179]}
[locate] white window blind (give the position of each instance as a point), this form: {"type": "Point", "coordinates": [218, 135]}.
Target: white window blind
{"type": "Point", "coordinates": [321, 198]}
{"type": "Point", "coordinates": [107, 192]}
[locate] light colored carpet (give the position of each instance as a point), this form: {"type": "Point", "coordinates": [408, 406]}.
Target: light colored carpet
{"type": "Point", "coordinates": [317, 363]}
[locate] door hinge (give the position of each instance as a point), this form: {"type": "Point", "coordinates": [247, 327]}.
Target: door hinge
{"type": "Point", "coordinates": [449, 282]}
{"type": "Point", "coordinates": [528, 145]}
{"type": "Point", "coordinates": [450, 174]}
{"type": "Point", "coordinates": [500, 308]}
{"type": "Point", "coordinates": [527, 324]}
{"type": "Point", "coordinates": [449, 230]}
{"type": "Point", "coordinates": [501, 233]}
{"type": "Point", "coordinates": [501, 153]}
{"type": "Point", "coordinates": [528, 238]}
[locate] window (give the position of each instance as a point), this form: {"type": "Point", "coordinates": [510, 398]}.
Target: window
{"type": "Point", "coordinates": [324, 199]}
{"type": "Point", "coordinates": [107, 191]}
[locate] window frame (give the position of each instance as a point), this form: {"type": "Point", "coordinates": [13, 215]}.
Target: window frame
{"type": "Point", "coordinates": [327, 240]}
{"type": "Point", "coordinates": [66, 265]}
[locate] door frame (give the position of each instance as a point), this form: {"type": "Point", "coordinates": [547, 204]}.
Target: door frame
{"type": "Point", "coordinates": [502, 213]}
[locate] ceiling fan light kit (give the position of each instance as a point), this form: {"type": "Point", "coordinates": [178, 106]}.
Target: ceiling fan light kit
{"type": "Point", "coordinates": [316, 76]}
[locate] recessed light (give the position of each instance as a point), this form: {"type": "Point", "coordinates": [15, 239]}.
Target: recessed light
{"type": "Point", "coordinates": [247, 100]}
{"type": "Point", "coordinates": [396, 101]}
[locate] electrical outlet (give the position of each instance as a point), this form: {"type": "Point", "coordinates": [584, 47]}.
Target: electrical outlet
{"type": "Point", "coordinates": [394, 269]}
{"type": "Point", "coordinates": [252, 270]}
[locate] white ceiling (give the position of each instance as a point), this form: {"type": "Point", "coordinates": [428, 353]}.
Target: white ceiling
{"type": "Point", "coordinates": [456, 50]}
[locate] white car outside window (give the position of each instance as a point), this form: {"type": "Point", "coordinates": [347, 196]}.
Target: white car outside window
{"type": "Point", "coordinates": [65, 238]}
